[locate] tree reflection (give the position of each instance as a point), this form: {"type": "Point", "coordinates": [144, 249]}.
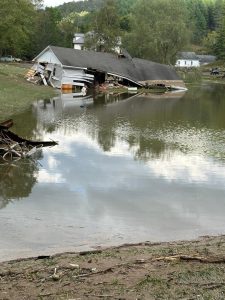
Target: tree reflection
{"type": "Point", "coordinates": [152, 124]}
{"type": "Point", "coordinates": [17, 179]}
{"type": "Point", "coordinates": [136, 120]}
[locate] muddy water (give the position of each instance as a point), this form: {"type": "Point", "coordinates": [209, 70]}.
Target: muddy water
{"type": "Point", "coordinates": [127, 168]}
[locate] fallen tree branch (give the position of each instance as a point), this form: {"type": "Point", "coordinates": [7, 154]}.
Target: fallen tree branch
{"type": "Point", "coordinates": [214, 260]}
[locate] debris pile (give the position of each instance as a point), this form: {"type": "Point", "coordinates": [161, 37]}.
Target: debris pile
{"type": "Point", "coordinates": [13, 147]}
{"type": "Point", "coordinates": [39, 74]}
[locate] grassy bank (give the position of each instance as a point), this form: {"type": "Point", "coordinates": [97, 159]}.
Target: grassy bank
{"type": "Point", "coordinates": [16, 94]}
{"type": "Point", "coordinates": [197, 75]}
{"type": "Point", "coordinates": [178, 270]}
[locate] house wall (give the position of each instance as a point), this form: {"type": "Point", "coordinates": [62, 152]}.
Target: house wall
{"type": "Point", "coordinates": [49, 57]}
{"type": "Point", "coordinates": [56, 76]}
{"type": "Point", "coordinates": [187, 63]}
{"type": "Point", "coordinates": [71, 76]}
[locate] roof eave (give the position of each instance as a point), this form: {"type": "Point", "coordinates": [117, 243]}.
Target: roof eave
{"type": "Point", "coordinates": [43, 51]}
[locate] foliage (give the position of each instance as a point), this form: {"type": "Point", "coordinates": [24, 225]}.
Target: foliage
{"type": "Point", "coordinates": [158, 30]}
{"type": "Point", "coordinates": [197, 19]}
{"type": "Point", "coordinates": [79, 6]}
{"type": "Point", "coordinates": [74, 22]}
{"type": "Point", "coordinates": [220, 41]}
{"type": "Point", "coordinates": [209, 41]}
{"type": "Point", "coordinates": [106, 30]}
{"type": "Point", "coordinates": [16, 20]}
{"type": "Point", "coordinates": [153, 29]}
{"type": "Point", "coordinates": [45, 31]}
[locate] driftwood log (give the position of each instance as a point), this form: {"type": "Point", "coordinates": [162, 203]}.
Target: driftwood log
{"type": "Point", "coordinates": [13, 146]}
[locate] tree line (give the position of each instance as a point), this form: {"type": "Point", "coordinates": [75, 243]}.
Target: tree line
{"type": "Point", "coordinates": [154, 30]}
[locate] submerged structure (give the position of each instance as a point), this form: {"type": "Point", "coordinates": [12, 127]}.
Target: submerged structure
{"type": "Point", "coordinates": [61, 67]}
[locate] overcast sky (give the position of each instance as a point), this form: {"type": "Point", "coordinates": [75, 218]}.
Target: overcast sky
{"type": "Point", "coordinates": [56, 2]}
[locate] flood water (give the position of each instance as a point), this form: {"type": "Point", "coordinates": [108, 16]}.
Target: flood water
{"type": "Point", "coordinates": [128, 168]}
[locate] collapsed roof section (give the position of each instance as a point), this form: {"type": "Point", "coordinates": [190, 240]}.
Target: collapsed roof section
{"type": "Point", "coordinates": [134, 69]}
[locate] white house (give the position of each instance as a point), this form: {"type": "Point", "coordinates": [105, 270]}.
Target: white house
{"type": "Point", "coordinates": [187, 60]}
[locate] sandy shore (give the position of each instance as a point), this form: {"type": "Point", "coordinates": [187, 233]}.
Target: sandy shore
{"type": "Point", "coordinates": [174, 270]}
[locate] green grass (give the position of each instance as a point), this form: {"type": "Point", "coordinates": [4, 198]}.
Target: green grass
{"type": "Point", "coordinates": [17, 94]}
{"type": "Point", "coordinates": [192, 75]}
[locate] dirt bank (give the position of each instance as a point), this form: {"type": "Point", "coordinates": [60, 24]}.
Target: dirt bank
{"type": "Point", "coordinates": [178, 270]}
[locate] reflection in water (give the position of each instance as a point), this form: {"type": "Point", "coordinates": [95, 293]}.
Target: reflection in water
{"type": "Point", "coordinates": [152, 165]}
{"type": "Point", "coordinates": [17, 179]}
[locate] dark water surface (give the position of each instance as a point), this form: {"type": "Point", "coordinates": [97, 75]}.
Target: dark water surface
{"type": "Point", "coordinates": [127, 169]}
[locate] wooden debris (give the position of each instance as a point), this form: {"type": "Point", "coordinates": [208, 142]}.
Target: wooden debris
{"type": "Point", "coordinates": [213, 260]}
{"type": "Point", "coordinates": [13, 147]}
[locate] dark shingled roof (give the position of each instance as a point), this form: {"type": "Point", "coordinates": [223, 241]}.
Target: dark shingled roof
{"type": "Point", "coordinates": [187, 55]}
{"type": "Point", "coordinates": [206, 58]}
{"type": "Point", "coordinates": [134, 69]}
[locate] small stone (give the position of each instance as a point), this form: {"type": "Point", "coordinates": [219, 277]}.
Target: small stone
{"type": "Point", "coordinates": [75, 266]}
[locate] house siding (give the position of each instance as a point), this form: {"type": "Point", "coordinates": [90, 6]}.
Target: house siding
{"type": "Point", "coordinates": [187, 63]}
{"type": "Point", "coordinates": [49, 57]}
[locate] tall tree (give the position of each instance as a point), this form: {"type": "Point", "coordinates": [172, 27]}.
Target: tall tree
{"type": "Point", "coordinates": [197, 19]}
{"type": "Point", "coordinates": [158, 30]}
{"type": "Point", "coordinates": [16, 23]}
{"type": "Point", "coordinates": [45, 31]}
{"type": "Point", "coordinates": [73, 23]}
{"type": "Point", "coordinates": [220, 41]}
{"type": "Point", "coordinates": [106, 29]}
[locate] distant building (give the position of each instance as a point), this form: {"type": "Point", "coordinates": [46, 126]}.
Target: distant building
{"type": "Point", "coordinates": [193, 60]}
{"type": "Point", "coordinates": [187, 60]}
{"type": "Point", "coordinates": [78, 41]}
{"type": "Point", "coordinates": [206, 59]}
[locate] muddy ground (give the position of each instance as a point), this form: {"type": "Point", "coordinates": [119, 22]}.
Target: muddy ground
{"type": "Point", "coordinates": [178, 270]}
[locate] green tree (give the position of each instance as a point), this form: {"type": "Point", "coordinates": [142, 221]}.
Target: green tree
{"type": "Point", "coordinates": [106, 28]}
{"type": "Point", "coordinates": [45, 31]}
{"type": "Point", "coordinates": [74, 22]}
{"type": "Point", "coordinates": [16, 23]}
{"type": "Point", "coordinates": [197, 20]}
{"type": "Point", "coordinates": [125, 6]}
{"type": "Point", "coordinates": [220, 41]}
{"type": "Point", "coordinates": [209, 41]}
{"type": "Point", "coordinates": [158, 30]}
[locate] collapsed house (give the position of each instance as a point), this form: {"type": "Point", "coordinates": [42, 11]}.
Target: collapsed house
{"type": "Point", "coordinates": [65, 67]}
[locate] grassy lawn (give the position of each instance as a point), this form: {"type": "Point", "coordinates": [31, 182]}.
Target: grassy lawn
{"type": "Point", "coordinates": [16, 94]}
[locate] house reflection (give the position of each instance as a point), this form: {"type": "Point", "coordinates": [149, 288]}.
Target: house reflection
{"type": "Point", "coordinates": [50, 110]}
{"type": "Point", "coordinates": [106, 114]}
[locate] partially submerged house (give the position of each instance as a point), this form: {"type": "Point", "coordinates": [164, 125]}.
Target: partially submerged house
{"type": "Point", "coordinates": [67, 66]}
